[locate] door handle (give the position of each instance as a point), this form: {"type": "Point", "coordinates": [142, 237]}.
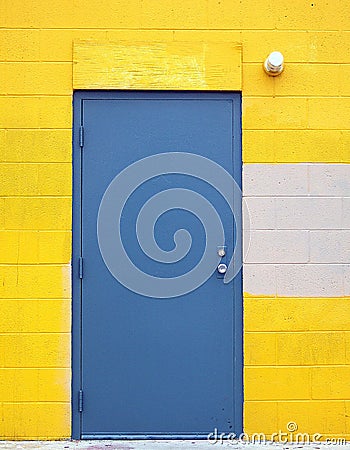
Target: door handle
{"type": "Point", "coordinates": [222, 268]}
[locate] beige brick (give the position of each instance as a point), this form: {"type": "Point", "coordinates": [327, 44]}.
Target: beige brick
{"type": "Point", "coordinates": [310, 213]}
{"type": "Point", "coordinates": [260, 212]}
{"type": "Point", "coordinates": [330, 246]}
{"type": "Point", "coordinates": [310, 280]}
{"type": "Point", "coordinates": [278, 246]}
{"type": "Point", "coordinates": [329, 179]}
{"type": "Point", "coordinates": [259, 279]}
{"type": "Point", "coordinates": [275, 179]}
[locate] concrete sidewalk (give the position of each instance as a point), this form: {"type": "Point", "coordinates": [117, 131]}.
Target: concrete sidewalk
{"type": "Point", "coordinates": [161, 445]}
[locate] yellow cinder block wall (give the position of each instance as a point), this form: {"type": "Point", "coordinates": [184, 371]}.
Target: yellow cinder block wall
{"type": "Point", "coordinates": [293, 346]}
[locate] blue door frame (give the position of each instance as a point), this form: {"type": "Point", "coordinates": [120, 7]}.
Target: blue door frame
{"type": "Point", "coordinates": [80, 97]}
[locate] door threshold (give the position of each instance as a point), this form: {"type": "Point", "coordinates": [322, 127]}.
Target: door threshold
{"type": "Point", "coordinates": [153, 436]}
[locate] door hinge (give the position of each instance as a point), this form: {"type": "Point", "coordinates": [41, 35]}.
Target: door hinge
{"type": "Point", "coordinates": [81, 136]}
{"type": "Point", "coordinates": [80, 267]}
{"type": "Point", "coordinates": [80, 401]}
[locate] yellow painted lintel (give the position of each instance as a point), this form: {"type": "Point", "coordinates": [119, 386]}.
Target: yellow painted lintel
{"type": "Point", "coordinates": [157, 65]}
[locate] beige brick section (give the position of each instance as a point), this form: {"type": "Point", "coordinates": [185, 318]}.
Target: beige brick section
{"type": "Point", "coordinates": [330, 246]}
{"type": "Point", "coordinates": [309, 213]}
{"type": "Point", "coordinates": [278, 246]}
{"type": "Point", "coordinates": [299, 239]}
{"type": "Point", "coordinates": [329, 179]}
{"type": "Point", "coordinates": [346, 213]}
{"type": "Point", "coordinates": [259, 279]}
{"type": "Point", "coordinates": [297, 280]}
{"type": "Point", "coordinates": [259, 212]}
{"type": "Point", "coordinates": [275, 179]}
{"type": "Point", "coordinates": [311, 280]}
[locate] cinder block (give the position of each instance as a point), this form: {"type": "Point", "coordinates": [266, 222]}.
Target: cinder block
{"type": "Point", "coordinates": [36, 78]}
{"type": "Point", "coordinates": [165, 15]}
{"type": "Point", "coordinates": [308, 213]}
{"type": "Point", "coordinates": [253, 18]}
{"type": "Point", "coordinates": [302, 15]}
{"type": "Point", "coordinates": [259, 279]}
{"type": "Point", "coordinates": [188, 35]}
{"type": "Point", "coordinates": [46, 420]}
{"type": "Point", "coordinates": [344, 146]}
{"type": "Point", "coordinates": [270, 113]}
{"type": "Point", "coordinates": [344, 88]}
{"type": "Point", "coordinates": [35, 350]}
{"type": "Point", "coordinates": [35, 385]}
{"type": "Point", "coordinates": [329, 113]}
{"type": "Point", "coordinates": [38, 213]}
{"type": "Point", "coordinates": [261, 180]}
{"type": "Point", "coordinates": [329, 179]}
{"type": "Point", "coordinates": [35, 316]}
{"type": "Point", "coordinates": [2, 213]}
{"type": "Point", "coordinates": [19, 45]}
{"type": "Point", "coordinates": [260, 417]}
{"type": "Point", "coordinates": [296, 80]}
{"type": "Point", "coordinates": [296, 314]}
{"type": "Point", "coordinates": [259, 213]}
{"type": "Point", "coordinates": [330, 246]}
{"type": "Point", "coordinates": [313, 417]}
{"type": "Point", "coordinates": [332, 47]}
{"type": "Point", "coordinates": [295, 146]}
{"type": "Point", "coordinates": [277, 383]}
{"type": "Point", "coordinates": [63, 14]}
{"type": "Point", "coordinates": [311, 349]}
{"type": "Point", "coordinates": [346, 272]}
{"type": "Point", "coordinates": [278, 246]}
{"type": "Point", "coordinates": [346, 213]}
{"type": "Point", "coordinates": [33, 247]}
{"type": "Point", "coordinates": [257, 146]}
{"type": "Point", "coordinates": [35, 179]}
{"type": "Point", "coordinates": [259, 349]}
{"type": "Point", "coordinates": [298, 45]}
{"type": "Point", "coordinates": [329, 383]}
{"type": "Point", "coordinates": [35, 281]}
{"type": "Point", "coordinates": [36, 112]}
{"type": "Point", "coordinates": [20, 145]}
{"type": "Point", "coordinates": [56, 44]}
{"type": "Point", "coordinates": [347, 417]}
{"type": "Point", "coordinates": [295, 45]}
{"type": "Point", "coordinates": [310, 280]}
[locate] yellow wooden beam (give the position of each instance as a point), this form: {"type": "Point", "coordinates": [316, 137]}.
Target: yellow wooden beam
{"type": "Point", "coordinates": [157, 65]}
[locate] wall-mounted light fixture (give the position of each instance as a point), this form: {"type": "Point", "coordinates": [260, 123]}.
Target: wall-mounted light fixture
{"type": "Point", "coordinates": [273, 64]}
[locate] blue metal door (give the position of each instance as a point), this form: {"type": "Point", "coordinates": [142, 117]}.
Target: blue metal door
{"type": "Point", "coordinates": [157, 301]}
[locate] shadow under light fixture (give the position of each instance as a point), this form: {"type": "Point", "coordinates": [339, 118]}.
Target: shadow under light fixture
{"type": "Point", "coordinates": [273, 64]}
